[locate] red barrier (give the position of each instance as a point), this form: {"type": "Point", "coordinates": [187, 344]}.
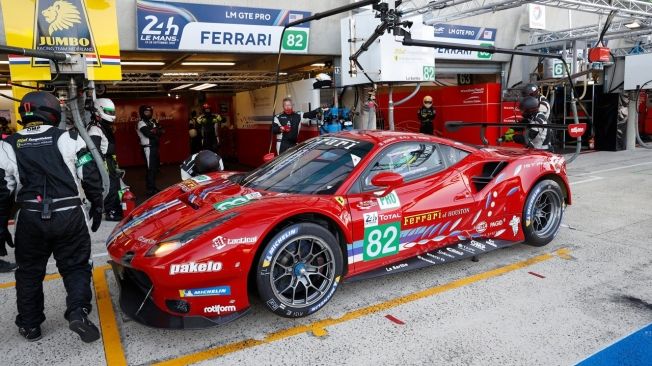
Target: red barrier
{"type": "Point", "coordinates": [253, 142]}
{"type": "Point", "coordinates": [468, 103]}
{"type": "Point", "coordinates": [173, 116]}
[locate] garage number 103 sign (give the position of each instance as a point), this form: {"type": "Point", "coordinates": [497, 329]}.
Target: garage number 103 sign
{"type": "Point", "coordinates": [164, 25]}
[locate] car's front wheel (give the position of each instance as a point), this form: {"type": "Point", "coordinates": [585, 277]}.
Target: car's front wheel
{"type": "Point", "coordinates": [299, 270]}
{"type": "Point", "coordinates": [543, 212]}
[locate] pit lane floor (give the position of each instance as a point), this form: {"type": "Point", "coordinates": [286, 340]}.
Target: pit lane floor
{"type": "Point", "coordinates": [555, 305]}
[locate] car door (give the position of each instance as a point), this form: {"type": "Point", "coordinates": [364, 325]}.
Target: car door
{"type": "Point", "coordinates": [416, 217]}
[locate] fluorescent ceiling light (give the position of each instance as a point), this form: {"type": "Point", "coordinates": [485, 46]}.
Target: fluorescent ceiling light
{"type": "Point", "coordinates": [142, 63]}
{"type": "Point", "coordinates": [4, 62]}
{"type": "Point", "coordinates": [282, 73]}
{"type": "Point", "coordinates": [203, 86]}
{"type": "Point", "coordinates": [633, 25]}
{"type": "Point", "coordinates": [202, 63]}
{"type": "Point", "coordinates": [319, 64]}
{"type": "Point", "coordinates": [180, 74]}
{"type": "Point", "coordinates": [182, 86]}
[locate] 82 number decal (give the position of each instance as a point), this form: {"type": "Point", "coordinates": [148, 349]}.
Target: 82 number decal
{"type": "Point", "coordinates": [295, 40]}
{"type": "Point", "coordinates": [381, 241]}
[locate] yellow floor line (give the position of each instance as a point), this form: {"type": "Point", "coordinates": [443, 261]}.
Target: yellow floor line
{"type": "Point", "coordinates": [50, 277]}
{"type": "Point", "coordinates": [318, 327]}
{"type": "Point", "coordinates": [113, 350]}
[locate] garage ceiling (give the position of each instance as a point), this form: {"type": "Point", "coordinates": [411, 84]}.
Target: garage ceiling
{"type": "Point", "coordinates": [174, 72]}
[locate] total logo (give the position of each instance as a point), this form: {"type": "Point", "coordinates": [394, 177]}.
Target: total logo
{"type": "Point", "coordinates": [481, 227]}
{"type": "Point", "coordinates": [194, 267]}
{"type": "Point", "coordinates": [220, 242]}
{"type": "Point", "coordinates": [219, 309]}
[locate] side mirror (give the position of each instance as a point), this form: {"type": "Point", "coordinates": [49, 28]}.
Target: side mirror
{"type": "Point", "coordinates": [268, 157]}
{"type": "Point", "coordinates": [387, 180]}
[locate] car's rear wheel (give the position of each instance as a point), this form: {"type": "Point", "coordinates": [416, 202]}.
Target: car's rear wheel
{"type": "Point", "coordinates": [543, 212]}
{"type": "Point", "coordinates": [299, 270]}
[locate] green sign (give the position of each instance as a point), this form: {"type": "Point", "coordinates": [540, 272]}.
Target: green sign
{"type": "Point", "coordinates": [429, 73]}
{"type": "Point", "coordinates": [485, 55]}
{"type": "Point", "coordinates": [295, 40]}
{"type": "Point", "coordinates": [381, 241]}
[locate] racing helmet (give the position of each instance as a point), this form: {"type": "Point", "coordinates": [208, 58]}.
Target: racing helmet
{"type": "Point", "coordinates": [529, 106]}
{"type": "Point", "coordinates": [40, 106]}
{"type": "Point", "coordinates": [427, 99]}
{"type": "Point", "coordinates": [205, 107]}
{"type": "Point", "coordinates": [207, 161]}
{"type": "Point", "coordinates": [105, 109]}
{"type": "Point", "coordinates": [531, 90]}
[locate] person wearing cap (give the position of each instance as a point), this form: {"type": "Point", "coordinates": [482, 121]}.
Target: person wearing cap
{"type": "Point", "coordinates": [426, 115]}
{"type": "Point", "coordinates": [538, 138]}
{"type": "Point", "coordinates": [287, 125]}
{"type": "Point", "coordinates": [46, 168]}
{"type": "Point", "coordinates": [149, 133]}
{"type": "Point", "coordinates": [209, 127]}
{"type": "Point", "coordinates": [202, 162]}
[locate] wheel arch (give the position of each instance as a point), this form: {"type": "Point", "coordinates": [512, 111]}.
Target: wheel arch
{"type": "Point", "coordinates": [307, 217]}
{"type": "Point", "coordinates": [559, 180]}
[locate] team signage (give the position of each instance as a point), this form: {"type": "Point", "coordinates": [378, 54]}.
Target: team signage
{"type": "Point", "coordinates": [477, 36]}
{"type": "Point", "coordinates": [88, 27]}
{"type": "Point", "coordinates": [164, 25]}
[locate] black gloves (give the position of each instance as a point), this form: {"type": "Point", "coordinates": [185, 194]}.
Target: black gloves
{"type": "Point", "coordinates": [5, 239]}
{"type": "Point", "coordinates": [96, 216]}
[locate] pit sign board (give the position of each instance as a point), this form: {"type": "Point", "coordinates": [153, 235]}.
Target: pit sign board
{"type": "Point", "coordinates": [463, 34]}
{"type": "Point", "coordinates": [88, 27]}
{"type": "Point", "coordinates": [164, 25]}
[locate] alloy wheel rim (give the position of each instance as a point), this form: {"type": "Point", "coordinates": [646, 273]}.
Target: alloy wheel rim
{"type": "Point", "coordinates": [546, 213]}
{"type": "Point", "coordinates": [302, 271]}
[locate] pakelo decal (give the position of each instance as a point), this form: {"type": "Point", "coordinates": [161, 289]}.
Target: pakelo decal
{"type": "Point", "coordinates": [194, 267]}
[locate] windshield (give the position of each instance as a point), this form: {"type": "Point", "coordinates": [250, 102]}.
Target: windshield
{"type": "Point", "coordinates": [317, 166]}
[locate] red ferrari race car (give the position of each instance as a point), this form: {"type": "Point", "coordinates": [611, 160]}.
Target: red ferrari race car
{"type": "Point", "coordinates": [334, 208]}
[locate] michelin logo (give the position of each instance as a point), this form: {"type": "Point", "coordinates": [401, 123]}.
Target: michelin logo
{"type": "Point", "coordinates": [209, 291]}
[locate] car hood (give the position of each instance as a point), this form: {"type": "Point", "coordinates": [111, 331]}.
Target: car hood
{"type": "Point", "coordinates": [187, 210]}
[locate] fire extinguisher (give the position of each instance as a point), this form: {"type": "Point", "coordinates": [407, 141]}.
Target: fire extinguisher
{"type": "Point", "coordinates": [128, 202]}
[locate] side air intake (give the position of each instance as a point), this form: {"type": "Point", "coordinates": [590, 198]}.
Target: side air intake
{"type": "Point", "coordinates": [489, 172]}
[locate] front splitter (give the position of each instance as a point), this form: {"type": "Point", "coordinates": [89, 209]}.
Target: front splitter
{"type": "Point", "coordinates": [138, 306]}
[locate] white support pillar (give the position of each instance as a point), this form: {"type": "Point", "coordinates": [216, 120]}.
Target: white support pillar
{"type": "Point", "coordinates": [632, 120]}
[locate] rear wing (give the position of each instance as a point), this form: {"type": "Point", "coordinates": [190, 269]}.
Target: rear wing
{"type": "Point", "coordinates": [575, 130]}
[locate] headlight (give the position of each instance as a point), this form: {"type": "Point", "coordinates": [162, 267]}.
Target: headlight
{"type": "Point", "coordinates": [164, 248]}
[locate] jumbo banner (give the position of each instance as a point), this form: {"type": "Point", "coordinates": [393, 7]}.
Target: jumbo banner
{"type": "Point", "coordinates": [88, 27]}
{"type": "Point", "coordinates": [164, 25]}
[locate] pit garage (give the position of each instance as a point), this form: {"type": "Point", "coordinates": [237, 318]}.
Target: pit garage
{"type": "Point", "coordinates": [478, 295]}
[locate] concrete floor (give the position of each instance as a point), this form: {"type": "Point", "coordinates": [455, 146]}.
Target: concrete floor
{"type": "Point", "coordinates": [554, 305]}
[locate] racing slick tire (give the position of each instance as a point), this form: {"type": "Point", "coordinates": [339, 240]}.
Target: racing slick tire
{"type": "Point", "coordinates": [542, 213]}
{"type": "Point", "coordinates": [299, 270]}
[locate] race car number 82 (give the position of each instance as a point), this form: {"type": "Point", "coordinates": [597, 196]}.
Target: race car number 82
{"type": "Point", "coordinates": [381, 241]}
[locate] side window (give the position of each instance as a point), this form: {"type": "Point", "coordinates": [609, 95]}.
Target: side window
{"type": "Point", "coordinates": [453, 154]}
{"type": "Point", "coordinates": [412, 160]}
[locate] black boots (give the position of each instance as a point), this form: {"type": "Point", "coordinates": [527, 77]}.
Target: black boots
{"type": "Point", "coordinates": [113, 216]}
{"type": "Point", "coordinates": [80, 324]}
{"type": "Point", "coordinates": [6, 266]}
{"type": "Point", "coordinates": [31, 334]}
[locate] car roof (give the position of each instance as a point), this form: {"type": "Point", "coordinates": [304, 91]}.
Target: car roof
{"type": "Point", "coordinates": [378, 136]}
